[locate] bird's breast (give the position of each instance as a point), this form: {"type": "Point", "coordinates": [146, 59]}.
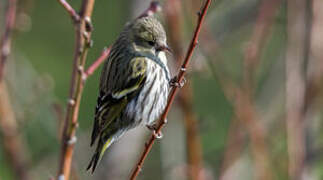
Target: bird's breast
{"type": "Point", "coordinates": [151, 100]}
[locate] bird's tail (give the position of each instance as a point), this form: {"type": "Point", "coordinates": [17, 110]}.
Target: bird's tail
{"type": "Point", "coordinates": [97, 156]}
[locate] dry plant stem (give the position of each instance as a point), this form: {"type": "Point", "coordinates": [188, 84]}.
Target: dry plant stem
{"type": "Point", "coordinates": [11, 139]}
{"type": "Point", "coordinates": [74, 15]}
{"type": "Point", "coordinates": [5, 44]}
{"type": "Point", "coordinates": [153, 8]}
{"type": "Point", "coordinates": [83, 35]}
{"type": "Point", "coordinates": [98, 62]}
{"type": "Point", "coordinates": [171, 97]}
{"type": "Point", "coordinates": [173, 14]}
{"type": "Point", "coordinates": [295, 87]}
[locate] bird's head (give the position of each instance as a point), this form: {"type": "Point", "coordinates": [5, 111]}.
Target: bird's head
{"type": "Point", "coordinates": [148, 34]}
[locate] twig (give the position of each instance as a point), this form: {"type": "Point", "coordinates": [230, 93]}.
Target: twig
{"type": "Point", "coordinates": [74, 15]}
{"type": "Point", "coordinates": [83, 30]}
{"type": "Point", "coordinates": [6, 38]}
{"type": "Point", "coordinates": [98, 62]}
{"type": "Point", "coordinates": [173, 14]}
{"type": "Point", "coordinates": [171, 97]}
{"type": "Point", "coordinates": [153, 8]}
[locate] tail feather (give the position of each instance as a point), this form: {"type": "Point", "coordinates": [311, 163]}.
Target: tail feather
{"type": "Point", "coordinates": [95, 132]}
{"type": "Point", "coordinates": [96, 158]}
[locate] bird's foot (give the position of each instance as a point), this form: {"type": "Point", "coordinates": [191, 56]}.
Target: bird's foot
{"type": "Point", "coordinates": [153, 128]}
{"type": "Point", "coordinates": [173, 82]}
{"type": "Point", "coordinates": [158, 135]}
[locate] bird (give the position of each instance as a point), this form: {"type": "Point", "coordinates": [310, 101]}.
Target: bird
{"type": "Point", "coordinates": [134, 84]}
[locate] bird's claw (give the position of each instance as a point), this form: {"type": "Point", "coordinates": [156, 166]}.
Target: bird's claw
{"type": "Point", "coordinates": [158, 135]}
{"type": "Point", "coordinates": [173, 82]}
{"type": "Point", "coordinates": [153, 128]}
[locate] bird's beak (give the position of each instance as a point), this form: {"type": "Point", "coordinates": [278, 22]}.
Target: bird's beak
{"type": "Point", "coordinates": [164, 48]}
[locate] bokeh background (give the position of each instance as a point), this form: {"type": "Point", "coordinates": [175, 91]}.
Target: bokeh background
{"type": "Point", "coordinates": [251, 109]}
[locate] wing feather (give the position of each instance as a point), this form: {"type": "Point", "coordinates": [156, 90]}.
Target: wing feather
{"type": "Point", "coordinates": [117, 90]}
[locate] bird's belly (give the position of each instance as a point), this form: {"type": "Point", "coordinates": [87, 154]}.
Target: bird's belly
{"type": "Point", "coordinates": [151, 101]}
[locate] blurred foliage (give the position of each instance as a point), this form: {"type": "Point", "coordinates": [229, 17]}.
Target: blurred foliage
{"type": "Point", "coordinates": [39, 79]}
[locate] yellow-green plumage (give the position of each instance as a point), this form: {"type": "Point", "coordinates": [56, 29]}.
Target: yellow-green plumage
{"type": "Point", "coordinates": [133, 85]}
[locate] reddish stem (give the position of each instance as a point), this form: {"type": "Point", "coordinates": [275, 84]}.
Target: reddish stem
{"type": "Point", "coordinates": [98, 62]}
{"type": "Point", "coordinates": [70, 10]}
{"type": "Point", "coordinates": [153, 8]}
{"type": "Point", "coordinates": [180, 77]}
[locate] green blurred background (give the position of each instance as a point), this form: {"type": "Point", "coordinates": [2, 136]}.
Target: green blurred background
{"type": "Point", "coordinates": [39, 72]}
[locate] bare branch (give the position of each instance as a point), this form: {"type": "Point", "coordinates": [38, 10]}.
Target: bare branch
{"type": "Point", "coordinates": [74, 15]}
{"type": "Point", "coordinates": [152, 9]}
{"type": "Point", "coordinates": [98, 62]}
{"type": "Point", "coordinates": [171, 97]}
{"type": "Point", "coordinates": [174, 19]}
{"type": "Point", "coordinates": [83, 28]}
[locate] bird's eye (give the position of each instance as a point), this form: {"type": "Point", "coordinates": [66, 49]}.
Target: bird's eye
{"type": "Point", "coordinates": [151, 43]}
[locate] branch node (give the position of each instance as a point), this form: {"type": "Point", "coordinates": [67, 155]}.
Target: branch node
{"type": "Point", "coordinates": [72, 140]}
{"type": "Point", "coordinates": [76, 125]}
{"type": "Point", "coordinates": [173, 82]}
{"type": "Point", "coordinates": [158, 135]}
{"type": "Point", "coordinates": [183, 69]}
{"type": "Point", "coordinates": [71, 102]}
{"type": "Point", "coordinates": [88, 24]}
{"type": "Point", "coordinates": [80, 69]}
{"type": "Point", "coordinates": [88, 40]}
{"type": "Point", "coordinates": [165, 121]}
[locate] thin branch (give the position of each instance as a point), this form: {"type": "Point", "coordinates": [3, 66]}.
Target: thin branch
{"type": "Point", "coordinates": [174, 20]}
{"type": "Point", "coordinates": [171, 97]}
{"type": "Point", "coordinates": [83, 30]}
{"type": "Point", "coordinates": [5, 44]}
{"type": "Point", "coordinates": [70, 10]}
{"type": "Point", "coordinates": [98, 62]}
{"type": "Point", "coordinates": [153, 8]}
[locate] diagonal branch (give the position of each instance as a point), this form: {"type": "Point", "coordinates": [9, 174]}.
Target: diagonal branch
{"type": "Point", "coordinates": [180, 77]}
{"type": "Point", "coordinates": [70, 10]}
{"type": "Point", "coordinates": [90, 70]}
{"type": "Point", "coordinates": [194, 155]}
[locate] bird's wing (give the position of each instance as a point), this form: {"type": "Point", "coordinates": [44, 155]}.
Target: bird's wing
{"type": "Point", "coordinates": [122, 83]}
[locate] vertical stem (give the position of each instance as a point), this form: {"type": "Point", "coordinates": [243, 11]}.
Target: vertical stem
{"type": "Point", "coordinates": [83, 30]}
{"type": "Point", "coordinates": [295, 86]}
